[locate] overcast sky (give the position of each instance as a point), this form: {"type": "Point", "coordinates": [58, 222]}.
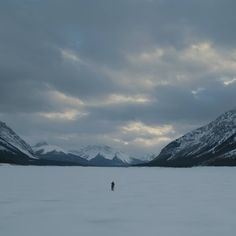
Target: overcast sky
{"type": "Point", "coordinates": [132, 74]}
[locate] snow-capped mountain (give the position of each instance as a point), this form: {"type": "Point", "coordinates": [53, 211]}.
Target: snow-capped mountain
{"type": "Point", "coordinates": [92, 155]}
{"type": "Point", "coordinates": [13, 149]}
{"type": "Point", "coordinates": [44, 148]}
{"type": "Point", "coordinates": [44, 151]}
{"type": "Point", "coordinates": [212, 144]}
{"type": "Point", "coordinates": [101, 155]}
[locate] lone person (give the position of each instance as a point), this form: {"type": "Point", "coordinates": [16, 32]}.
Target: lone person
{"type": "Point", "coordinates": [112, 186]}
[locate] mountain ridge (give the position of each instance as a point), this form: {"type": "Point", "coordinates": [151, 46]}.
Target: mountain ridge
{"type": "Point", "coordinates": [14, 149]}
{"type": "Point", "coordinates": [94, 155]}
{"type": "Point", "coordinates": [208, 145]}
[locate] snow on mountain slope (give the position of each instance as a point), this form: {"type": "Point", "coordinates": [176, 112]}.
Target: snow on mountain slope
{"type": "Point", "coordinates": [148, 157]}
{"type": "Point", "coordinates": [91, 151]}
{"type": "Point", "coordinates": [53, 153]}
{"type": "Point", "coordinates": [203, 145]}
{"type": "Point", "coordinates": [90, 155]}
{"type": "Point", "coordinates": [44, 148]}
{"type": "Point", "coordinates": [94, 155]}
{"type": "Point", "coordinates": [10, 142]}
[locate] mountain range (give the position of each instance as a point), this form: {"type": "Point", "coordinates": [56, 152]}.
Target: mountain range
{"type": "Point", "coordinates": [211, 145]}
{"type": "Point", "coordinates": [91, 155]}
{"type": "Point", "coordinates": [15, 150]}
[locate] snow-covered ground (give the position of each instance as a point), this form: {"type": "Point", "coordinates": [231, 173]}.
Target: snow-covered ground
{"type": "Point", "coordinates": [60, 201]}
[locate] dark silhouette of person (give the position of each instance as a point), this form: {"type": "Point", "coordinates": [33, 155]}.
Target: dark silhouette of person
{"type": "Point", "coordinates": [112, 186]}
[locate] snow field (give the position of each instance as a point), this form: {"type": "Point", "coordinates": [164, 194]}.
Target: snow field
{"type": "Point", "coordinates": [59, 201]}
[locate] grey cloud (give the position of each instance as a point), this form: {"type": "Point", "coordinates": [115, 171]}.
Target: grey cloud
{"type": "Point", "coordinates": [174, 103]}
{"type": "Point", "coordinates": [102, 34]}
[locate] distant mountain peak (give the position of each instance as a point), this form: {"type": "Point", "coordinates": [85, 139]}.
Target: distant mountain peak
{"type": "Point", "coordinates": [89, 152]}
{"type": "Point", "coordinates": [45, 148]}
{"type": "Point", "coordinates": [94, 155]}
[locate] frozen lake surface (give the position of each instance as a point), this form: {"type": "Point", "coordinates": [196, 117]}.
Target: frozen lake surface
{"type": "Point", "coordinates": [60, 201]}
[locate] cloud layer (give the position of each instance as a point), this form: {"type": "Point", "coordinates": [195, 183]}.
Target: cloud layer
{"type": "Point", "coordinates": [131, 74]}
